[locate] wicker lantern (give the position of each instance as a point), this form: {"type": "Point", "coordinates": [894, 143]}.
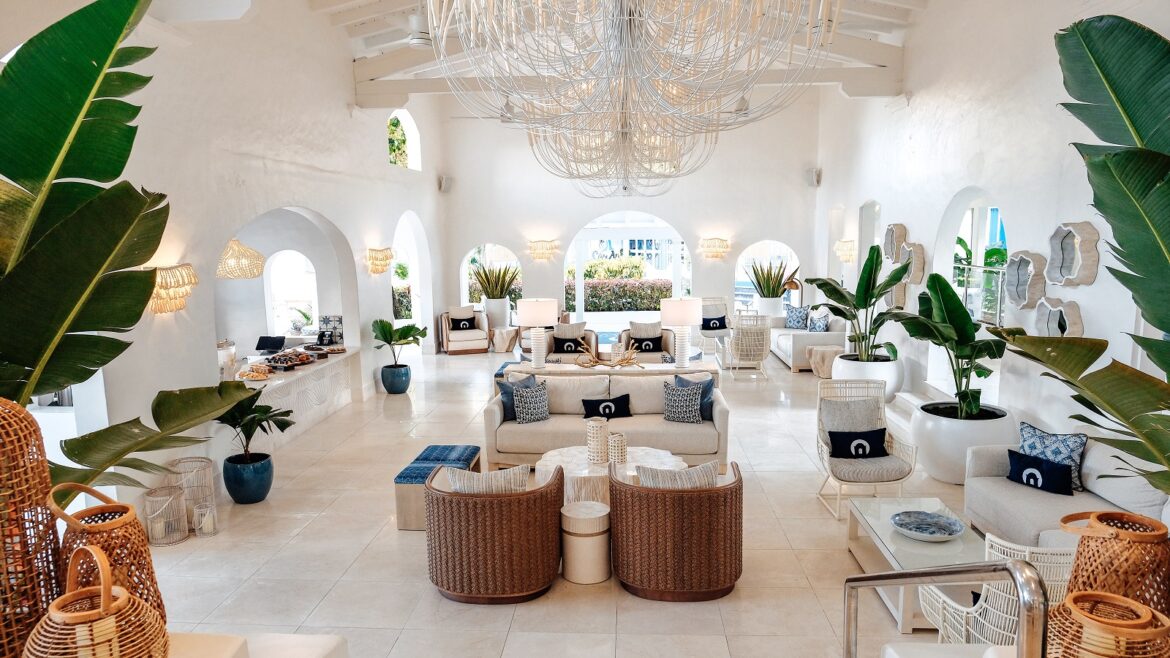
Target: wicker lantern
{"type": "Point", "coordinates": [172, 287]}
{"type": "Point", "coordinates": [239, 261]}
{"type": "Point", "coordinates": [28, 531]}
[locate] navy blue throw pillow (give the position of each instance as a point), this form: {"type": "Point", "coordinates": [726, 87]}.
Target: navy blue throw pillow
{"type": "Point", "coordinates": [1039, 473]}
{"type": "Point", "coordinates": [567, 346]}
{"type": "Point", "coordinates": [618, 407]}
{"type": "Point", "coordinates": [462, 324]}
{"type": "Point", "coordinates": [715, 323]}
{"type": "Point", "coordinates": [858, 445]}
{"type": "Point", "coordinates": [707, 401]}
{"type": "Point", "coordinates": [647, 344]}
{"type": "Point", "coordinates": [507, 394]}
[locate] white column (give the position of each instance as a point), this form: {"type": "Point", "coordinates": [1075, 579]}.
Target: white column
{"type": "Point", "coordinates": [579, 252]}
{"type": "Point", "coordinates": [676, 271]}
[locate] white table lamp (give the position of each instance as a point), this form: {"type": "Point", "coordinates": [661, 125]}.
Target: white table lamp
{"type": "Point", "coordinates": [682, 313]}
{"type": "Point", "coordinates": [537, 314]}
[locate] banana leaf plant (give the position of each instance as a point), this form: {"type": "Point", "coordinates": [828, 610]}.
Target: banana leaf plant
{"type": "Point", "coordinates": [859, 308]}
{"type": "Point", "coordinates": [73, 241]}
{"type": "Point", "coordinates": [943, 320]}
{"type": "Point", "coordinates": [1118, 72]}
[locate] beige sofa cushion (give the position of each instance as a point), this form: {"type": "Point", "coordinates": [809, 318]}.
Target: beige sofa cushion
{"type": "Point", "coordinates": [467, 335]}
{"type": "Point", "coordinates": [1020, 514]}
{"type": "Point", "coordinates": [565, 431]}
{"type": "Point", "coordinates": [461, 312]}
{"type": "Point", "coordinates": [565, 393]}
{"type": "Point", "coordinates": [646, 393]}
{"type": "Point", "coordinates": [645, 329]}
{"type": "Point", "coordinates": [1132, 493]}
{"type": "Point", "coordinates": [573, 330]}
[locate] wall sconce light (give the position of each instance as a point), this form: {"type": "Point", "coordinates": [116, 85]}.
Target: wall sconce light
{"type": "Point", "coordinates": [542, 250]}
{"type": "Point", "coordinates": [239, 261]}
{"type": "Point", "coordinates": [846, 250]}
{"type": "Point", "coordinates": [378, 260]}
{"type": "Point", "coordinates": [714, 248]}
{"type": "Point", "coordinates": [172, 287]}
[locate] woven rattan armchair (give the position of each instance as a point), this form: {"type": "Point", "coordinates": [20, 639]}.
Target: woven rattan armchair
{"type": "Point", "coordinates": [494, 548]}
{"type": "Point", "coordinates": [748, 346]}
{"type": "Point", "coordinates": [677, 545]}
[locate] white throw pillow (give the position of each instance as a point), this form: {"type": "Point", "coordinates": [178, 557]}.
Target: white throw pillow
{"type": "Point", "coordinates": [1131, 493]}
{"type": "Point", "coordinates": [703, 476]}
{"type": "Point", "coordinates": [645, 329]}
{"type": "Point", "coordinates": [645, 392]}
{"type": "Point", "coordinates": [572, 330]}
{"type": "Point", "coordinates": [509, 480]}
{"type": "Point", "coordinates": [461, 312]}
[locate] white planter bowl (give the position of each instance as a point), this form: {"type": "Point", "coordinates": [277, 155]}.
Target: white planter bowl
{"type": "Point", "coordinates": [889, 372]}
{"type": "Point", "coordinates": [942, 442]}
{"type": "Point", "coordinates": [771, 306]}
{"type": "Point", "coordinates": [497, 311]}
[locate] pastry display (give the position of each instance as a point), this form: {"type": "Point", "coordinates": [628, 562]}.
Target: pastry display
{"type": "Point", "coordinates": [252, 376]}
{"type": "Point", "coordinates": [335, 349]}
{"type": "Point", "coordinates": [314, 348]}
{"type": "Point", "coordinates": [260, 368]}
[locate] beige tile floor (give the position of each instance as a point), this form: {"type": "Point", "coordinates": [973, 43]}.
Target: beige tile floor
{"type": "Point", "coordinates": [322, 554]}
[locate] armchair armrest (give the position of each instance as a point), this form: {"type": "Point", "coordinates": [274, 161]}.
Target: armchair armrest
{"type": "Point", "coordinates": [721, 415]}
{"type": "Point", "coordinates": [493, 415]}
{"type": "Point", "coordinates": [900, 449]}
{"type": "Point", "coordinates": [988, 461]}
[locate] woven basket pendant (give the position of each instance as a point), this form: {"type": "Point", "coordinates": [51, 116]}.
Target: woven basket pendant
{"type": "Point", "coordinates": [28, 531]}
{"type": "Point", "coordinates": [1124, 554]}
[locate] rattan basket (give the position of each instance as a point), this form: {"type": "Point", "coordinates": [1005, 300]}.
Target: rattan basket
{"type": "Point", "coordinates": [1121, 553]}
{"type": "Point", "coordinates": [1102, 624]}
{"type": "Point", "coordinates": [115, 529]}
{"type": "Point", "coordinates": [29, 557]}
{"type": "Point", "coordinates": [100, 621]}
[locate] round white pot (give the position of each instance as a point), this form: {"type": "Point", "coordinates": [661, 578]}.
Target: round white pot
{"type": "Point", "coordinates": [942, 442]}
{"type": "Point", "coordinates": [771, 306]}
{"type": "Point", "coordinates": [888, 371]}
{"type": "Point", "coordinates": [497, 311]}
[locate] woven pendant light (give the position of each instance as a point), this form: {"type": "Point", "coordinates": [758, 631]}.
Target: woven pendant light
{"type": "Point", "coordinates": [172, 287]}
{"type": "Point", "coordinates": [239, 261]}
{"type": "Point", "coordinates": [28, 530]}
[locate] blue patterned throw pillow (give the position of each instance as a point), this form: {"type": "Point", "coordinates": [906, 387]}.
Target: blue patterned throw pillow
{"type": "Point", "coordinates": [1065, 449]}
{"type": "Point", "coordinates": [795, 317]}
{"type": "Point", "coordinates": [531, 404]}
{"type": "Point", "coordinates": [818, 323]}
{"type": "Point", "coordinates": [507, 394]}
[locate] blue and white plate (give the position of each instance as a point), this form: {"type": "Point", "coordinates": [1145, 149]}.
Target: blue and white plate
{"type": "Point", "coordinates": [927, 526]}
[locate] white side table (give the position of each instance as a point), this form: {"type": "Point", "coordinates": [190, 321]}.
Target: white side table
{"type": "Point", "coordinates": [585, 481]}
{"type": "Point", "coordinates": [585, 535]}
{"type": "Point", "coordinates": [504, 338]}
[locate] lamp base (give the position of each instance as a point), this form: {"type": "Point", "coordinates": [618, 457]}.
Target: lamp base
{"type": "Point", "coordinates": [539, 346]}
{"type": "Point", "coordinates": [682, 347]}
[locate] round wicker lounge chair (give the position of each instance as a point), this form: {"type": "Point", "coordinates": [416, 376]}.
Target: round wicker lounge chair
{"type": "Point", "coordinates": [677, 545]}
{"type": "Point", "coordinates": [494, 548]}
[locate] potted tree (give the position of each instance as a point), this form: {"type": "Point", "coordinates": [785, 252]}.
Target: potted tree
{"type": "Point", "coordinates": [944, 430]}
{"type": "Point", "coordinates": [248, 475]}
{"type": "Point", "coordinates": [872, 360]}
{"type": "Point", "coordinates": [496, 283]}
{"type": "Point", "coordinates": [771, 281]}
{"type": "Point", "coordinates": [396, 377]}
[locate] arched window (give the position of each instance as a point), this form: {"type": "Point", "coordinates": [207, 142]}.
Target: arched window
{"type": "Point", "coordinates": [402, 139]}
{"type": "Point", "coordinates": [781, 258]}
{"type": "Point", "coordinates": [488, 255]}
{"type": "Point", "coordinates": [290, 293]}
{"type": "Point", "coordinates": [980, 256]}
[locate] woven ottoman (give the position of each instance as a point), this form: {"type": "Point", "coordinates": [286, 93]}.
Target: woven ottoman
{"type": "Point", "coordinates": [408, 484]}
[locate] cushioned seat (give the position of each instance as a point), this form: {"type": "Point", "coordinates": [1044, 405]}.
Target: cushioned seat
{"type": "Point", "coordinates": [1031, 510]}
{"type": "Point", "coordinates": [563, 431]}
{"type": "Point", "coordinates": [868, 471]}
{"type": "Point", "coordinates": [467, 335]}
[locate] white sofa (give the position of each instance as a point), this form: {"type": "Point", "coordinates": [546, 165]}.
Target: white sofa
{"type": "Point", "coordinates": [789, 345]}
{"type": "Point", "coordinates": [1031, 517]}
{"type": "Point", "coordinates": [511, 443]}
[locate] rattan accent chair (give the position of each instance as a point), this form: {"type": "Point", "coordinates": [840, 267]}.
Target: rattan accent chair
{"type": "Point", "coordinates": [748, 346]}
{"type": "Point", "coordinates": [677, 545]}
{"type": "Point", "coordinates": [494, 548]}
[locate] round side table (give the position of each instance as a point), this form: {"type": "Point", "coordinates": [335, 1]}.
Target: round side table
{"type": "Point", "coordinates": [586, 481]}
{"type": "Point", "coordinates": [585, 537]}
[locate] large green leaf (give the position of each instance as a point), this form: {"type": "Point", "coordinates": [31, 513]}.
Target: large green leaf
{"type": "Point", "coordinates": [867, 279]}
{"type": "Point", "coordinates": [1119, 71]}
{"type": "Point", "coordinates": [834, 291]}
{"type": "Point", "coordinates": [55, 125]}
{"type": "Point", "coordinates": [948, 309]}
{"type": "Point", "coordinates": [173, 412]}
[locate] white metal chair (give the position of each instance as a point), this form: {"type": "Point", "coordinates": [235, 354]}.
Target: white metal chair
{"type": "Point", "coordinates": [747, 348]}
{"type": "Point", "coordinates": [995, 618]}
{"type": "Point", "coordinates": [855, 405]}
{"type": "Point", "coordinates": [714, 307]}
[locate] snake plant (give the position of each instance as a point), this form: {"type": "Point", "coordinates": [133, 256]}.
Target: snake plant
{"type": "Point", "coordinates": [772, 280]}
{"type": "Point", "coordinates": [496, 282]}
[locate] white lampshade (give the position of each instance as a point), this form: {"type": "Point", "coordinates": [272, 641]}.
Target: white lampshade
{"type": "Point", "coordinates": [682, 311]}
{"type": "Point", "coordinates": [536, 312]}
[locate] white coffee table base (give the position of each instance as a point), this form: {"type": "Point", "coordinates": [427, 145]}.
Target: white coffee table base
{"type": "Point", "coordinates": [585, 481]}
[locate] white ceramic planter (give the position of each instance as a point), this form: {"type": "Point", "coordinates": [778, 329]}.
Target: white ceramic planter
{"type": "Point", "coordinates": [888, 371]}
{"type": "Point", "coordinates": [770, 306]}
{"type": "Point", "coordinates": [497, 311]}
{"type": "Point", "coordinates": [942, 442]}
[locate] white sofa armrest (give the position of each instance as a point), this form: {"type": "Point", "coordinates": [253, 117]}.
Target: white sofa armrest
{"type": "Point", "coordinates": [988, 461]}
{"type": "Point", "coordinates": [721, 415]}
{"type": "Point", "coordinates": [493, 417]}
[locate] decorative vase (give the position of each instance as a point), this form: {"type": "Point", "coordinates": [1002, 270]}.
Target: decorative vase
{"type": "Point", "coordinates": [1121, 553]}
{"type": "Point", "coordinates": [771, 306]}
{"type": "Point", "coordinates": [847, 366]}
{"type": "Point", "coordinates": [943, 441]}
{"type": "Point", "coordinates": [597, 440]}
{"type": "Point", "coordinates": [617, 448]}
{"type": "Point", "coordinates": [396, 378]}
{"type": "Point", "coordinates": [248, 482]}
{"type": "Point", "coordinates": [497, 311]}
{"type": "Point", "coordinates": [28, 529]}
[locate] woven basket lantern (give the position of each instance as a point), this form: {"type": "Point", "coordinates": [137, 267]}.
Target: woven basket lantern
{"type": "Point", "coordinates": [28, 533]}
{"type": "Point", "coordinates": [1121, 553]}
{"type": "Point", "coordinates": [115, 529]}
{"type": "Point", "coordinates": [100, 621]}
{"type": "Point", "coordinates": [1090, 624]}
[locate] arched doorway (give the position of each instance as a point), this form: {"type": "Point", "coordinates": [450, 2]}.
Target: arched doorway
{"type": "Point", "coordinates": [619, 266]}
{"type": "Point", "coordinates": [410, 274]}
{"type": "Point", "coordinates": [290, 293]}
{"type": "Point", "coordinates": [491, 256]}
{"type": "Point", "coordinates": [765, 253]}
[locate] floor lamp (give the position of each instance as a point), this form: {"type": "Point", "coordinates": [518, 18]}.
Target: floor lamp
{"type": "Point", "coordinates": [537, 314]}
{"type": "Point", "coordinates": [682, 313]}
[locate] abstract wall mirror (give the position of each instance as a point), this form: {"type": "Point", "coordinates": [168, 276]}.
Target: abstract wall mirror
{"type": "Point", "coordinates": [1024, 279]}
{"type": "Point", "coordinates": [1073, 257]}
{"type": "Point", "coordinates": [894, 238]}
{"type": "Point", "coordinates": [1057, 318]}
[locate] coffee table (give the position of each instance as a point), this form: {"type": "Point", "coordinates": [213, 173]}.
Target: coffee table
{"type": "Point", "coordinates": [877, 546]}
{"type": "Point", "coordinates": [585, 481]}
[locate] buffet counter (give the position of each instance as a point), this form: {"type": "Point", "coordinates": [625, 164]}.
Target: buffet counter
{"type": "Point", "coordinates": [312, 391]}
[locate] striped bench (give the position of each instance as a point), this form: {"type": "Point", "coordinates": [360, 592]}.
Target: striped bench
{"type": "Point", "coordinates": [408, 484]}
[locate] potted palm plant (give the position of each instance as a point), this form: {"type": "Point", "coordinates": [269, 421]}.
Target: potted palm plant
{"type": "Point", "coordinates": [771, 281]}
{"type": "Point", "coordinates": [248, 475]}
{"type": "Point", "coordinates": [496, 283]}
{"type": "Point", "coordinates": [396, 376]}
{"type": "Point", "coordinates": [872, 360]}
{"type": "Point", "coordinates": [944, 430]}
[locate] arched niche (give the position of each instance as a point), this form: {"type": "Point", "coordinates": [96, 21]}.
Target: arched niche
{"type": "Point", "coordinates": [290, 293]}
{"type": "Point", "coordinates": [869, 229]}
{"type": "Point", "coordinates": [406, 129]}
{"type": "Point", "coordinates": [412, 259]}
{"type": "Point", "coordinates": [489, 255]}
{"type": "Point", "coordinates": [774, 252]}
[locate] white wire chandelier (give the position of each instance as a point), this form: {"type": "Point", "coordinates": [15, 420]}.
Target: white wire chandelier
{"type": "Point", "coordinates": [624, 95]}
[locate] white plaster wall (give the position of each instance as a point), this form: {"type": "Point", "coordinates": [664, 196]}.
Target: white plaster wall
{"type": "Point", "coordinates": [983, 83]}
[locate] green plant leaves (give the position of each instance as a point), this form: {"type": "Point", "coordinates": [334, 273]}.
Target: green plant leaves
{"type": "Point", "coordinates": [496, 282]}
{"type": "Point", "coordinates": [771, 280]}
{"type": "Point", "coordinates": [867, 278]}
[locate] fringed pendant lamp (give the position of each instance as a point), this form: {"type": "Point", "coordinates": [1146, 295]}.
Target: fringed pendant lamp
{"type": "Point", "coordinates": [239, 261]}
{"type": "Point", "coordinates": [172, 287]}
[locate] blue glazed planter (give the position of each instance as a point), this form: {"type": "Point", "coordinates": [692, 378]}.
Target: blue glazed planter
{"type": "Point", "coordinates": [248, 482]}
{"type": "Point", "coordinates": [396, 379]}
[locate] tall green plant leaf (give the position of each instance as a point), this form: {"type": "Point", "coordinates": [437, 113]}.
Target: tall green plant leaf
{"type": "Point", "coordinates": [61, 119]}
{"type": "Point", "coordinates": [173, 413]}
{"type": "Point", "coordinates": [867, 279]}
{"type": "Point", "coordinates": [1119, 71]}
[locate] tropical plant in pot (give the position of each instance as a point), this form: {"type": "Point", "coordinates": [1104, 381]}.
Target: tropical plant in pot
{"type": "Point", "coordinates": [771, 281]}
{"type": "Point", "coordinates": [944, 430]}
{"type": "Point", "coordinates": [872, 360]}
{"type": "Point", "coordinates": [248, 475]}
{"type": "Point", "coordinates": [496, 282]}
{"type": "Point", "coordinates": [396, 377]}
